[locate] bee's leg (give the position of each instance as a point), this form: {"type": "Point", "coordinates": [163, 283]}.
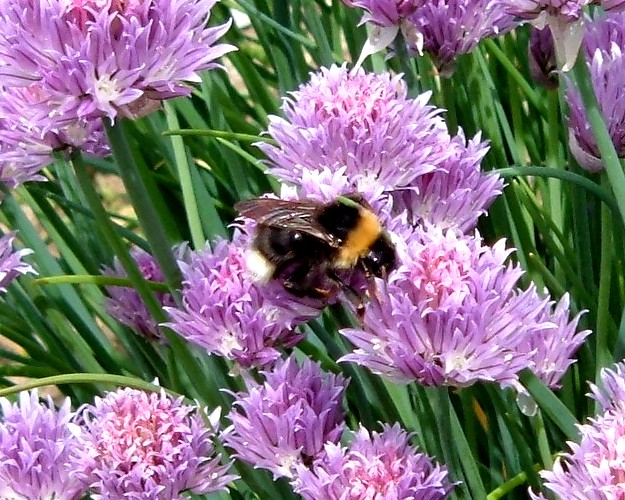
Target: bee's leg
{"type": "Point", "coordinates": [352, 295]}
{"type": "Point", "coordinates": [303, 280]}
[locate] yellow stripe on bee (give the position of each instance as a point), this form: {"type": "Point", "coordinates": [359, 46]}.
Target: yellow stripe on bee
{"type": "Point", "coordinates": [359, 239]}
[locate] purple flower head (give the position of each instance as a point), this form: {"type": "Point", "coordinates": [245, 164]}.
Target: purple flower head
{"type": "Point", "coordinates": [32, 129]}
{"type": "Point", "coordinates": [11, 265]}
{"type": "Point", "coordinates": [542, 58]}
{"type": "Point", "coordinates": [103, 58]}
{"type": "Point", "coordinates": [551, 349]}
{"type": "Point", "coordinates": [604, 45]}
{"type": "Point", "coordinates": [35, 445]}
{"type": "Point", "coordinates": [126, 305]}
{"type": "Point", "coordinates": [595, 467]}
{"type": "Point", "coordinates": [374, 465]}
{"type": "Point", "coordinates": [138, 445]}
{"type": "Point", "coordinates": [227, 313]}
{"type": "Point", "coordinates": [456, 193]}
{"type": "Point", "coordinates": [288, 419]}
{"type": "Point", "coordinates": [454, 27]}
{"type": "Point", "coordinates": [449, 315]}
{"type": "Point", "coordinates": [362, 123]}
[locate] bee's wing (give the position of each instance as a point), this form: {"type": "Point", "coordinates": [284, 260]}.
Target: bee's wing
{"type": "Point", "coordinates": [295, 215]}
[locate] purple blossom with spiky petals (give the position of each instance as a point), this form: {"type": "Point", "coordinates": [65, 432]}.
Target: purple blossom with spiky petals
{"type": "Point", "coordinates": [103, 58]}
{"type": "Point", "coordinates": [288, 419]}
{"type": "Point", "coordinates": [138, 445]}
{"type": "Point", "coordinates": [552, 353]}
{"type": "Point", "coordinates": [451, 314]}
{"type": "Point", "coordinates": [127, 306]}
{"type": "Point", "coordinates": [11, 264]}
{"type": "Point", "coordinates": [604, 47]}
{"type": "Point", "coordinates": [375, 465]}
{"type": "Point", "coordinates": [594, 468]}
{"type": "Point", "coordinates": [454, 27]}
{"type": "Point", "coordinates": [35, 445]}
{"type": "Point", "coordinates": [227, 313]}
{"type": "Point", "coordinates": [456, 193]}
{"type": "Point", "coordinates": [362, 122]}
{"type": "Point", "coordinates": [32, 129]}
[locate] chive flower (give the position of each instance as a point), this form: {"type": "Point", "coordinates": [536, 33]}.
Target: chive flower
{"type": "Point", "coordinates": [132, 444]}
{"type": "Point", "coordinates": [225, 312]}
{"type": "Point", "coordinates": [373, 465]}
{"type": "Point", "coordinates": [35, 445]}
{"type": "Point", "coordinates": [287, 420]}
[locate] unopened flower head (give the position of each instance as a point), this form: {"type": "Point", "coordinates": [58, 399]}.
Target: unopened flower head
{"type": "Point", "coordinates": [454, 27]}
{"type": "Point", "coordinates": [127, 306]}
{"type": "Point", "coordinates": [542, 58]}
{"type": "Point", "coordinates": [103, 58]}
{"type": "Point", "coordinates": [456, 193]}
{"type": "Point", "coordinates": [386, 12]}
{"type": "Point", "coordinates": [611, 392]}
{"type": "Point", "coordinates": [11, 264]}
{"type": "Point", "coordinates": [594, 467]}
{"type": "Point", "coordinates": [389, 18]}
{"type": "Point", "coordinates": [451, 314]}
{"type": "Point", "coordinates": [604, 46]}
{"type": "Point", "coordinates": [227, 313]}
{"type": "Point", "coordinates": [374, 465]}
{"type": "Point", "coordinates": [138, 445]}
{"type": "Point", "coordinates": [363, 123]}
{"type": "Point", "coordinates": [571, 10]}
{"type": "Point", "coordinates": [288, 419]}
{"type": "Point", "coordinates": [35, 445]}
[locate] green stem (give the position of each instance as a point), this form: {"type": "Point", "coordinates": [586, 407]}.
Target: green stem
{"type": "Point", "coordinates": [538, 423]}
{"type": "Point", "coordinates": [517, 76]}
{"type": "Point", "coordinates": [99, 280]}
{"type": "Point", "coordinates": [553, 161]}
{"type": "Point", "coordinates": [451, 118]}
{"type": "Point", "coordinates": [184, 173]}
{"type": "Point", "coordinates": [223, 134]}
{"type": "Point", "coordinates": [406, 63]}
{"type": "Point", "coordinates": [502, 490]}
{"type": "Point", "coordinates": [147, 214]}
{"type": "Point", "coordinates": [82, 378]}
{"type": "Point", "coordinates": [565, 175]}
{"type": "Point", "coordinates": [105, 226]}
{"type": "Point", "coordinates": [602, 354]}
{"type": "Point", "coordinates": [117, 245]}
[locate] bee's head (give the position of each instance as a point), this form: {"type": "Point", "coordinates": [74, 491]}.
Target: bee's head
{"type": "Point", "coordinates": [381, 259]}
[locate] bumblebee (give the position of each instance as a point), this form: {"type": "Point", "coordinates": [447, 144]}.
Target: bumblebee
{"type": "Point", "coordinates": [312, 248]}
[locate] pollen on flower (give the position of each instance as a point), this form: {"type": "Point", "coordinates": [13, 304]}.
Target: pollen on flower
{"type": "Point", "coordinates": [106, 89]}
